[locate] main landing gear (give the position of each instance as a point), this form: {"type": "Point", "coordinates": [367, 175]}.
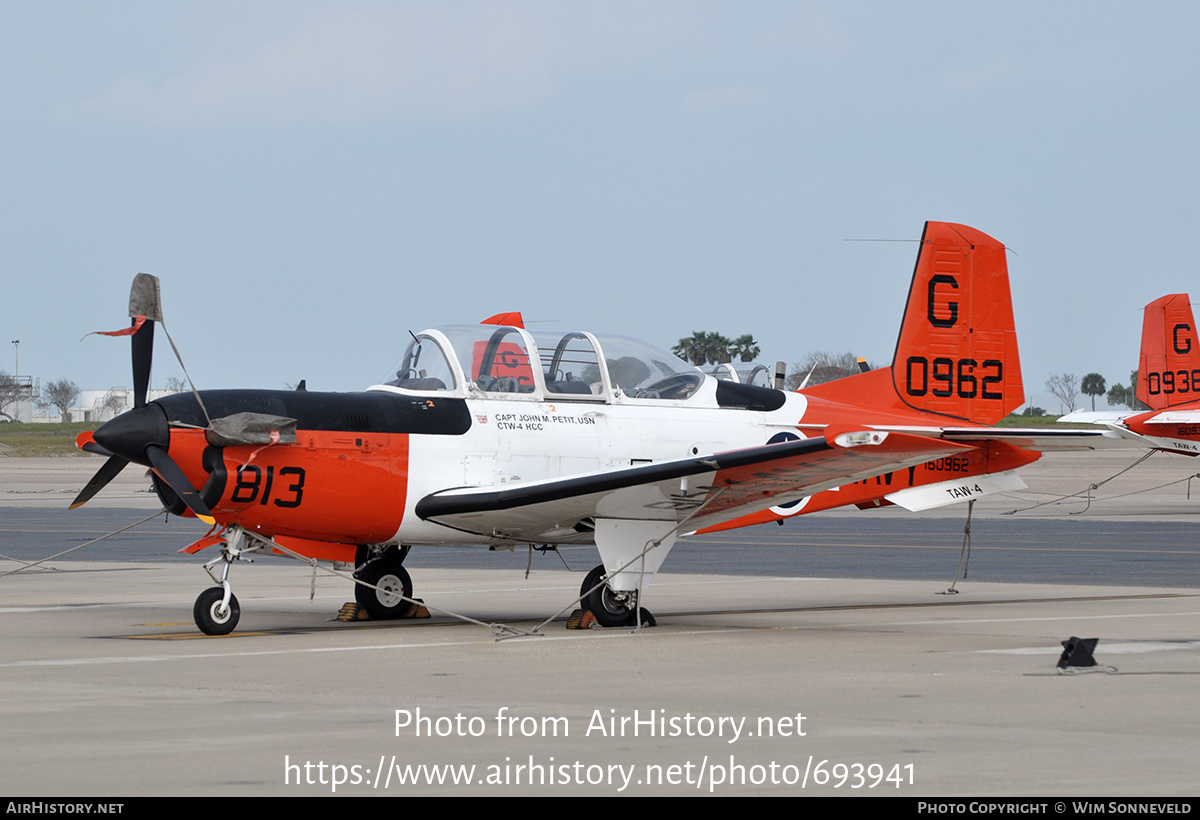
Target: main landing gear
{"type": "Point", "coordinates": [634, 549]}
{"type": "Point", "coordinates": [390, 590]}
{"type": "Point", "coordinates": [608, 606]}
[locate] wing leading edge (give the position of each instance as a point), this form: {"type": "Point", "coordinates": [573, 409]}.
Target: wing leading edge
{"type": "Point", "coordinates": [703, 490]}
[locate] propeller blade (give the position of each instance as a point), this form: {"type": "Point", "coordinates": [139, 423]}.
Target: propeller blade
{"type": "Point", "coordinates": [169, 471]}
{"type": "Point", "coordinates": [145, 298]}
{"type": "Point", "coordinates": [144, 301]}
{"type": "Point", "coordinates": [84, 441]}
{"type": "Point", "coordinates": [104, 475]}
{"type": "Point", "coordinates": [143, 355]}
{"type": "Point", "coordinates": [95, 449]}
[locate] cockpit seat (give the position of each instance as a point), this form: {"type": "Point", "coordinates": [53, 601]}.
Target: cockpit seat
{"type": "Point", "coordinates": [423, 384]}
{"type": "Point", "coordinates": [578, 387]}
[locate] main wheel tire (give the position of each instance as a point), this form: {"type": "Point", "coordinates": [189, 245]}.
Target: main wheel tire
{"type": "Point", "coordinates": [590, 580]}
{"type": "Point", "coordinates": [610, 608]}
{"type": "Point", "coordinates": [208, 615]}
{"type": "Point", "coordinates": [392, 581]}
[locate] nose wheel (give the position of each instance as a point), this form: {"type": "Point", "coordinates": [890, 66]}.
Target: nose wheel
{"type": "Point", "coordinates": [213, 614]}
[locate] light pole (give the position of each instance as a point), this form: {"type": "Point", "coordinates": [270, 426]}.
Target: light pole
{"type": "Point", "coordinates": [17, 373]}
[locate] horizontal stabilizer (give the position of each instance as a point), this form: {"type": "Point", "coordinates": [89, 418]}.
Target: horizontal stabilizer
{"type": "Point", "coordinates": [1096, 416]}
{"type": "Point", "coordinates": [1178, 415]}
{"type": "Point", "coordinates": [1041, 439]}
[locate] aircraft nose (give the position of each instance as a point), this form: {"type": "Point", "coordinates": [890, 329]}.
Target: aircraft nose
{"type": "Point", "coordinates": [129, 434]}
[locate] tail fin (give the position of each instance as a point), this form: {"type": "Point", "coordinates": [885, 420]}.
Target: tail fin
{"type": "Point", "coordinates": [1169, 367]}
{"type": "Point", "coordinates": [957, 352]}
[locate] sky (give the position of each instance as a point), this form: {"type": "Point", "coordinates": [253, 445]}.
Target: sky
{"type": "Point", "coordinates": [311, 181]}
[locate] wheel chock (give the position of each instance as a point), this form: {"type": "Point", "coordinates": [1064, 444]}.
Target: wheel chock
{"type": "Point", "coordinates": [584, 619]}
{"type": "Point", "coordinates": [353, 611]}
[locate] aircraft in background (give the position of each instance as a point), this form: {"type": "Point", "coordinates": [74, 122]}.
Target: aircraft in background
{"type": "Point", "coordinates": [754, 373]}
{"type": "Point", "coordinates": [493, 434]}
{"type": "Point", "coordinates": [1168, 382]}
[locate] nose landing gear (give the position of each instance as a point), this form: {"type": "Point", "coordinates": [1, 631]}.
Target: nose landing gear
{"type": "Point", "coordinates": [216, 610]}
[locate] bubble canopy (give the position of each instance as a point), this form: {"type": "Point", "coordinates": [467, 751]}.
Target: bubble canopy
{"type": "Point", "coordinates": [505, 361]}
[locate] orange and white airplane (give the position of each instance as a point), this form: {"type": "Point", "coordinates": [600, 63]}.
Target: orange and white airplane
{"type": "Point", "coordinates": [493, 434]}
{"type": "Point", "coordinates": [1168, 382]}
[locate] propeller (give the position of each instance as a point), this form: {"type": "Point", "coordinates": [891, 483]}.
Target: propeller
{"type": "Point", "coordinates": [142, 434]}
{"type": "Point", "coordinates": [104, 475]}
{"type": "Point", "coordinates": [169, 472]}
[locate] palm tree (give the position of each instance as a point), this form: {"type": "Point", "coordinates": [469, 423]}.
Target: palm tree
{"type": "Point", "coordinates": [745, 348]}
{"type": "Point", "coordinates": [717, 348]}
{"type": "Point", "coordinates": [706, 348]}
{"type": "Point", "coordinates": [1093, 385]}
{"type": "Point", "coordinates": [692, 349]}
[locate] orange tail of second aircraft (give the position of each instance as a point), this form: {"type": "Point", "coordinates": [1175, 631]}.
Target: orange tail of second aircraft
{"type": "Point", "coordinates": [957, 352]}
{"type": "Point", "coordinates": [1169, 366]}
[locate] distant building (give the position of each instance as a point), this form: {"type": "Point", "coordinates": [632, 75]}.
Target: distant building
{"type": "Point", "coordinates": [21, 407]}
{"type": "Point", "coordinates": [105, 405]}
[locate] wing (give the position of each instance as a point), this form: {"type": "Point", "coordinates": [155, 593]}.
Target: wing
{"type": "Point", "coordinates": [702, 491]}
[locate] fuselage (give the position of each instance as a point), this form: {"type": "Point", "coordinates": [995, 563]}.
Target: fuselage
{"type": "Point", "coordinates": [362, 461]}
{"type": "Point", "coordinates": [471, 407]}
